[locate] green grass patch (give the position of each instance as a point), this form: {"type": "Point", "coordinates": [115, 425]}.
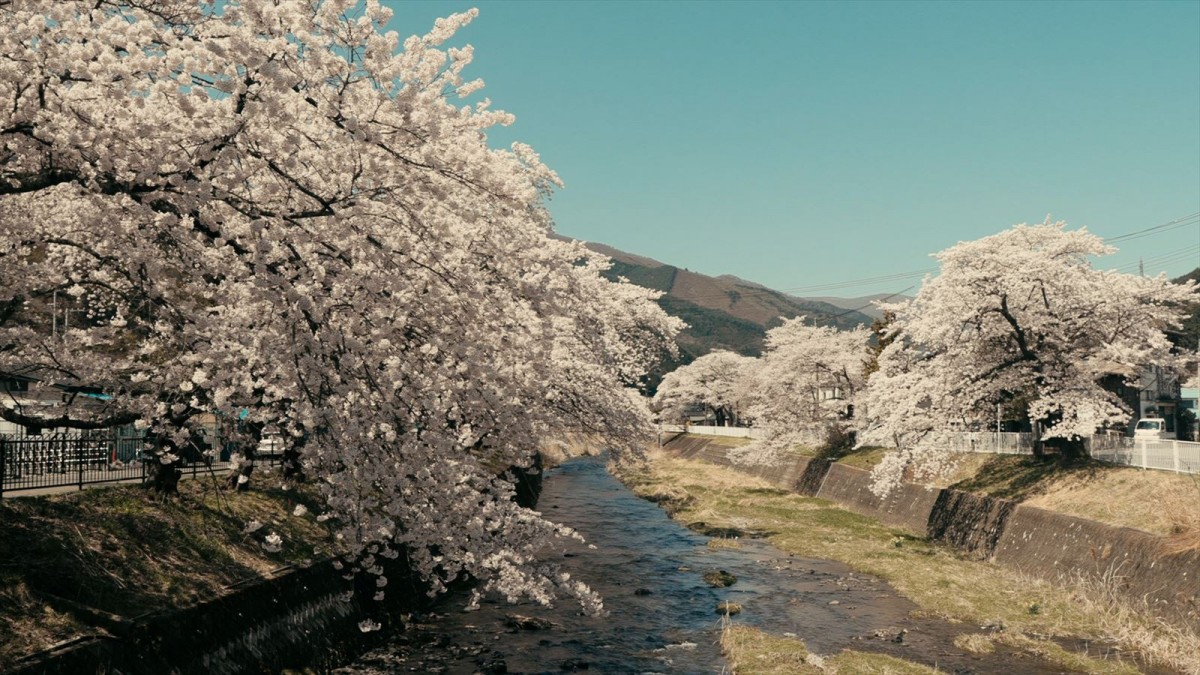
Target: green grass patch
{"type": "Point", "coordinates": [863, 458]}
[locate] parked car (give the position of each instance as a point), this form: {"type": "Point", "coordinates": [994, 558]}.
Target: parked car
{"type": "Point", "coordinates": [1152, 428]}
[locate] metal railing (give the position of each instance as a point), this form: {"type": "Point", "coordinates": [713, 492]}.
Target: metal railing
{"type": "Point", "coordinates": [1163, 455]}
{"type": "Point", "coordinates": [1003, 443]}
{"type": "Point", "coordinates": [89, 458]}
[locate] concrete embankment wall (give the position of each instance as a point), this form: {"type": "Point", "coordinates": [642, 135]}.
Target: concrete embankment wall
{"type": "Point", "coordinates": [1046, 543]}
{"type": "Point", "coordinates": [789, 476]}
{"type": "Point", "coordinates": [306, 617]}
{"type": "Point", "coordinates": [1034, 541]}
{"type": "Point", "coordinates": [908, 506]}
{"type": "Point", "coordinates": [291, 620]}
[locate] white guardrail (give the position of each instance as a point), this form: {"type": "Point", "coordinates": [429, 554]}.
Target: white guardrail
{"type": "Point", "coordinates": [1164, 455]}
{"type": "Point", "coordinates": [729, 432]}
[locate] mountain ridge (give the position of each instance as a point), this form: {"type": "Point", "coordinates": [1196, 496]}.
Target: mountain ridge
{"type": "Point", "coordinates": [722, 312]}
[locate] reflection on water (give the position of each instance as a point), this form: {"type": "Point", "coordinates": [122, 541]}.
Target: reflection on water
{"type": "Point", "coordinates": [661, 615]}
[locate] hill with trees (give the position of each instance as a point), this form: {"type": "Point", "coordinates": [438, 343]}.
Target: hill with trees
{"type": "Point", "coordinates": [1188, 335]}
{"type": "Point", "coordinates": [722, 313]}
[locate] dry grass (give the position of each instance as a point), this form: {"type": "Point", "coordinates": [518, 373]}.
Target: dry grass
{"type": "Point", "coordinates": [1070, 660]}
{"type": "Point", "coordinates": [565, 447]}
{"type": "Point", "coordinates": [755, 652]}
{"type": "Point", "coordinates": [117, 551]}
{"type": "Point", "coordinates": [1102, 664]}
{"type": "Point", "coordinates": [939, 580]}
{"type": "Point", "coordinates": [863, 458]}
{"type": "Point", "coordinates": [719, 543]}
{"type": "Point", "coordinates": [976, 643]}
{"type": "Point", "coordinates": [861, 663]}
{"type": "Point", "coordinates": [727, 441]}
{"type": "Point", "coordinates": [1158, 502]}
{"type": "Point", "coordinates": [752, 651]}
{"type": "Point", "coordinates": [1134, 627]}
{"type": "Point", "coordinates": [1181, 502]}
{"type": "Point", "coordinates": [868, 457]}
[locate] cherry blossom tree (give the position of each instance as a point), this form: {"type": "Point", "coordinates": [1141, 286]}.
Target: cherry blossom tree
{"type": "Point", "coordinates": [1019, 319]}
{"type": "Point", "coordinates": [717, 381]}
{"type": "Point", "coordinates": [805, 383]}
{"type": "Point", "coordinates": [277, 208]}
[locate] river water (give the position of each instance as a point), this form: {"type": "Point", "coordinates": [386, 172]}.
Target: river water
{"type": "Point", "coordinates": [661, 615]}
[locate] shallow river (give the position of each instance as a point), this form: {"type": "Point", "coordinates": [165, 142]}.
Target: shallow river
{"type": "Point", "coordinates": [660, 614]}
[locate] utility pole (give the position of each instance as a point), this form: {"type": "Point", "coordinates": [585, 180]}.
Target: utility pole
{"type": "Point", "coordinates": [54, 315]}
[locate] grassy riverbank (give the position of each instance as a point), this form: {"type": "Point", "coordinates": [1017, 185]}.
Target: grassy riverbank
{"type": "Point", "coordinates": [755, 652]}
{"type": "Point", "coordinates": [1159, 502]}
{"type": "Point", "coordinates": [1022, 612]}
{"type": "Point", "coordinates": [72, 564]}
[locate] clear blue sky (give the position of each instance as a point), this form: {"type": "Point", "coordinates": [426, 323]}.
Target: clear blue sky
{"type": "Point", "coordinates": [804, 143]}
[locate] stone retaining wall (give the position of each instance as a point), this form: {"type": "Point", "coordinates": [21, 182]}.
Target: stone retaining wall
{"type": "Point", "coordinates": [1037, 542]}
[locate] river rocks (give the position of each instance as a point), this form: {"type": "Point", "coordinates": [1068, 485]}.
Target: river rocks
{"type": "Point", "coordinates": [573, 665]}
{"type": "Point", "coordinates": [719, 579]}
{"type": "Point", "coordinates": [520, 622]}
{"type": "Point", "coordinates": [492, 664]}
{"type": "Point", "coordinates": [728, 608]}
{"type": "Point", "coordinates": [643, 591]}
{"type": "Point", "coordinates": [891, 635]}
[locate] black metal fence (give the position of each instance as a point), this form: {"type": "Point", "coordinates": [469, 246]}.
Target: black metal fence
{"type": "Point", "coordinates": [90, 457]}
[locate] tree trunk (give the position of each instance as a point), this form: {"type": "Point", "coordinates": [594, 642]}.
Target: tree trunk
{"type": "Point", "coordinates": [292, 469]}
{"type": "Point", "coordinates": [1072, 449]}
{"type": "Point", "coordinates": [239, 478]}
{"type": "Point", "coordinates": [162, 477]}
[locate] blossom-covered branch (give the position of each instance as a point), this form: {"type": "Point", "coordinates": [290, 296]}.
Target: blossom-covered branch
{"type": "Point", "coordinates": [279, 209]}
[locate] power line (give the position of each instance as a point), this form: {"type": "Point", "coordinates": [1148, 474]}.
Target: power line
{"type": "Point", "coordinates": [869, 304]}
{"type": "Point", "coordinates": [1164, 259]}
{"type": "Point", "coordinates": [1190, 219]}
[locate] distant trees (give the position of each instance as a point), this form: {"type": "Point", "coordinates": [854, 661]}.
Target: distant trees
{"type": "Point", "coordinates": [1018, 322]}
{"type": "Point", "coordinates": [718, 381]}
{"type": "Point", "coordinates": [806, 382]}
{"type": "Point", "coordinates": [1017, 319]}
{"type": "Point", "coordinates": [275, 207]}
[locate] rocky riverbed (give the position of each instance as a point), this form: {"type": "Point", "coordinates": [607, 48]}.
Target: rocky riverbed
{"type": "Point", "coordinates": [662, 584]}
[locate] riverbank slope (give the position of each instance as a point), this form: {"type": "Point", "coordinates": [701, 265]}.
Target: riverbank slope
{"type": "Point", "coordinates": [89, 563]}
{"type": "Point", "coordinates": [945, 582]}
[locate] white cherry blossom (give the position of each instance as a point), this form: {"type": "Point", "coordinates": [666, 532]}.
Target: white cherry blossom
{"type": "Point", "coordinates": [275, 208]}
{"type": "Point", "coordinates": [1020, 320]}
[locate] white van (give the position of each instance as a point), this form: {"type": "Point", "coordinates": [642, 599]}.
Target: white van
{"type": "Point", "coordinates": [1153, 428]}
